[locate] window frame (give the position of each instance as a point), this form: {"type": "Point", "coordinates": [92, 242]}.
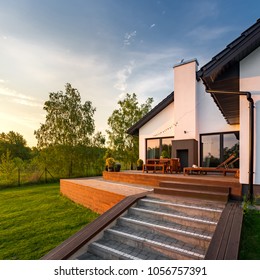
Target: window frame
{"type": "Point", "coordinates": [221, 142]}
{"type": "Point", "coordinates": [160, 144]}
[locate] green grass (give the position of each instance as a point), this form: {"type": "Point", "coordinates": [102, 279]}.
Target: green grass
{"type": "Point", "coordinates": [250, 236]}
{"type": "Point", "coordinates": [35, 219]}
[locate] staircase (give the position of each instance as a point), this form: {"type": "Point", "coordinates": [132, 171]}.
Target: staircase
{"type": "Point", "coordinates": [157, 229]}
{"type": "Point", "coordinates": [207, 191]}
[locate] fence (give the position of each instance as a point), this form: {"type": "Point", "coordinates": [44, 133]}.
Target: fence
{"type": "Point", "coordinates": [21, 176]}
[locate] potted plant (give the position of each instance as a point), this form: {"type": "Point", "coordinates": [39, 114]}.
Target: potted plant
{"type": "Point", "coordinates": [117, 167]}
{"type": "Point", "coordinates": [110, 162]}
{"type": "Point", "coordinates": [164, 154]}
{"type": "Point", "coordinates": [139, 164]}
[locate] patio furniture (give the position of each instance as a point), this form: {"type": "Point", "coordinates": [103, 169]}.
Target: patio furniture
{"type": "Point", "coordinates": [221, 168]}
{"type": "Point", "coordinates": [205, 170]}
{"type": "Point", "coordinates": [156, 165]}
{"type": "Point", "coordinates": [174, 165]}
{"type": "Point", "coordinates": [226, 162]}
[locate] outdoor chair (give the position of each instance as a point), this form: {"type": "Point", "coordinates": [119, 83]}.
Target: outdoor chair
{"type": "Point", "coordinates": [175, 165]}
{"type": "Point", "coordinates": [226, 163]}
{"type": "Point", "coordinates": [224, 168]}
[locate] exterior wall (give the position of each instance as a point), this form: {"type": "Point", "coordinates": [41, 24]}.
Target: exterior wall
{"type": "Point", "coordinates": [162, 125]}
{"type": "Point", "coordinates": [250, 81]}
{"type": "Point", "coordinates": [185, 111]}
{"type": "Point", "coordinates": [210, 118]}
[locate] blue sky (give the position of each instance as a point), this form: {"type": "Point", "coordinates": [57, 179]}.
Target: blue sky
{"type": "Point", "coordinates": [104, 48]}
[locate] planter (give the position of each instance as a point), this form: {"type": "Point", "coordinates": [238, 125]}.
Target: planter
{"type": "Point", "coordinates": [117, 167]}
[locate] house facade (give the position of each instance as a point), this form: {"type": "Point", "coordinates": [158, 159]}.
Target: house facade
{"type": "Point", "coordinates": [213, 112]}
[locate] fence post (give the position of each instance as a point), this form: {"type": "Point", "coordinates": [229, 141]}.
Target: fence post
{"type": "Point", "coordinates": [45, 172]}
{"type": "Point", "coordinates": [19, 177]}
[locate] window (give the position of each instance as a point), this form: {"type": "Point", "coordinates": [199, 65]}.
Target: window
{"type": "Point", "coordinates": [155, 146]}
{"type": "Point", "coordinates": [217, 147]}
{"type": "Point", "coordinates": [210, 150]}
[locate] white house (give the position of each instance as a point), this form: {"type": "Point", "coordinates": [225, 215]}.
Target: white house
{"type": "Point", "coordinates": [214, 111]}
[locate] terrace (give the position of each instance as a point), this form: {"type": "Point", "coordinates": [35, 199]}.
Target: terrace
{"type": "Point", "coordinates": [169, 216]}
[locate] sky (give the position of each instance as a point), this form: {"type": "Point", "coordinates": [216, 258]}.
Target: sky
{"type": "Point", "coordinates": [105, 49]}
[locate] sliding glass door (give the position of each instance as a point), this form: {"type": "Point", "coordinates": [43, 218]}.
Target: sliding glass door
{"type": "Point", "coordinates": [217, 147]}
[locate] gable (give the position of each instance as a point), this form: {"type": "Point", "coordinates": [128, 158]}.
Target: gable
{"type": "Point", "coordinates": [221, 74]}
{"type": "Point", "coordinates": [134, 130]}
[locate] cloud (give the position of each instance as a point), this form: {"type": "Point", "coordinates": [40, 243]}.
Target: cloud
{"type": "Point", "coordinates": [20, 98]}
{"type": "Point", "coordinates": [153, 25]}
{"type": "Point", "coordinates": [129, 38]}
{"type": "Point", "coordinates": [122, 76]}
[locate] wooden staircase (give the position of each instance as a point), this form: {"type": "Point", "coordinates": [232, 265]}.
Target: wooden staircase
{"type": "Point", "coordinates": [156, 229]}
{"type": "Point", "coordinates": [204, 191]}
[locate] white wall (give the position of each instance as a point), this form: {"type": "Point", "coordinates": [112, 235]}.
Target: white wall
{"type": "Point", "coordinates": [210, 118]}
{"type": "Point", "coordinates": [162, 125]}
{"type": "Point", "coordinates": [249, 81]}
{"type": "Point", "coordinates": [185, 100]}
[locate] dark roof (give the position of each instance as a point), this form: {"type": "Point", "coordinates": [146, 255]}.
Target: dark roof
{"type": "Point", "coordinates": [222, 72]}
{"type": "Point", "coordinates": [134, 130]}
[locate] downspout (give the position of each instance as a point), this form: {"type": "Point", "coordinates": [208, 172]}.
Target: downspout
{"type": "Point", "coordinates": [251, 145]}
{"type": "Point", "coordinates": [251, 136]}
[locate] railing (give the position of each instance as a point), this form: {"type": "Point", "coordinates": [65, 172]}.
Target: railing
{"type": "Point", "coordinates": [85, 235]}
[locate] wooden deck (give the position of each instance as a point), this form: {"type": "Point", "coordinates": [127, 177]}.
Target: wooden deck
{"type": "Point", "coordinates": [225, 242]}
{"type": "Point", "coordinates": [97, 194]}
{"type": "Point", "coordinates": [153, 180]}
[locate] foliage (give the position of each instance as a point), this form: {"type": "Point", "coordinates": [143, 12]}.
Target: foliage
{"type": "Point", "coordinates": [110, 162]}
{"type": "Point", "coordinates": [164, 154]}
{"type": "Point", "coordinates": [125, 146]}
{"type": "Point", "coordinates": [139, 162]}
{"type": "Point", "coordinates": [250, 236]}
{"type": "Point", "coordinates": [7, 165]}
{"type": "Point", "coordinates": [55, 162]}
{"type": "Point", "coordinates": [35, 219]}
{"type": "Point", "coordinates": [16, 144]}
{"type": "Point", "coordinates": [64, 161]}
{"type": "Point", "coordinates": [68, 122]}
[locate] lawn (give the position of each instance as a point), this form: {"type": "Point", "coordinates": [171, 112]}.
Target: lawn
{"type": "Point", "coordinates": [250, 236]}
{"type": "Point", "coordinates": [35, 219]}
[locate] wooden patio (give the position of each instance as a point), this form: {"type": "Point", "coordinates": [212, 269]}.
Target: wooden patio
{"type": "Point", "coordinates": [115, 193]}
{"type": "Point", "coordinates": [154, 180]}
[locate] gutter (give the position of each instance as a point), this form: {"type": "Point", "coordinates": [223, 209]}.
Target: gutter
{"type": "Point", "coordinates": [251, 135]}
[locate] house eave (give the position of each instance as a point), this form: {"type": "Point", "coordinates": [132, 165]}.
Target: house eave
{"type": "Point", "coordinates": [134, 130]}
{"type": "Point", "coordinates": [222, 72]}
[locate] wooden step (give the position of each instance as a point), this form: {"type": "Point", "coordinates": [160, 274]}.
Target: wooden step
{"type": "Point", "coordinates": [194, 186]}
{"type": "Point", "coordinates": [187, 192]}
{"type": "Point", "coordinates": [179, 218]}
{"type": "Point", "coordinates": [200, 210]}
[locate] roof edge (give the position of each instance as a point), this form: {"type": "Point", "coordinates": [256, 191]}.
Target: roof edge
{"type": "Point", "coordinates": [134, 130]}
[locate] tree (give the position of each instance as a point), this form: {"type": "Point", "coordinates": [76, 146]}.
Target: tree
{"type": "Point", "coordinates": [7, 165]}
{"type": "Point", "coordinates": [15, 143]}
{"type": "Point", "coordinates": [68, 122]}
{"type": "Point", "coordinates": [124, 145]}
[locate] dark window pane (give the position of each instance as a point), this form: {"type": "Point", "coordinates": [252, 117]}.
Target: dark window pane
{"type": "Point", "coordinates": [231, 147]}
{"type": "Point", "coordinates": [167, 146]}
{"type": "Point", "coordinates": [210, 150]}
